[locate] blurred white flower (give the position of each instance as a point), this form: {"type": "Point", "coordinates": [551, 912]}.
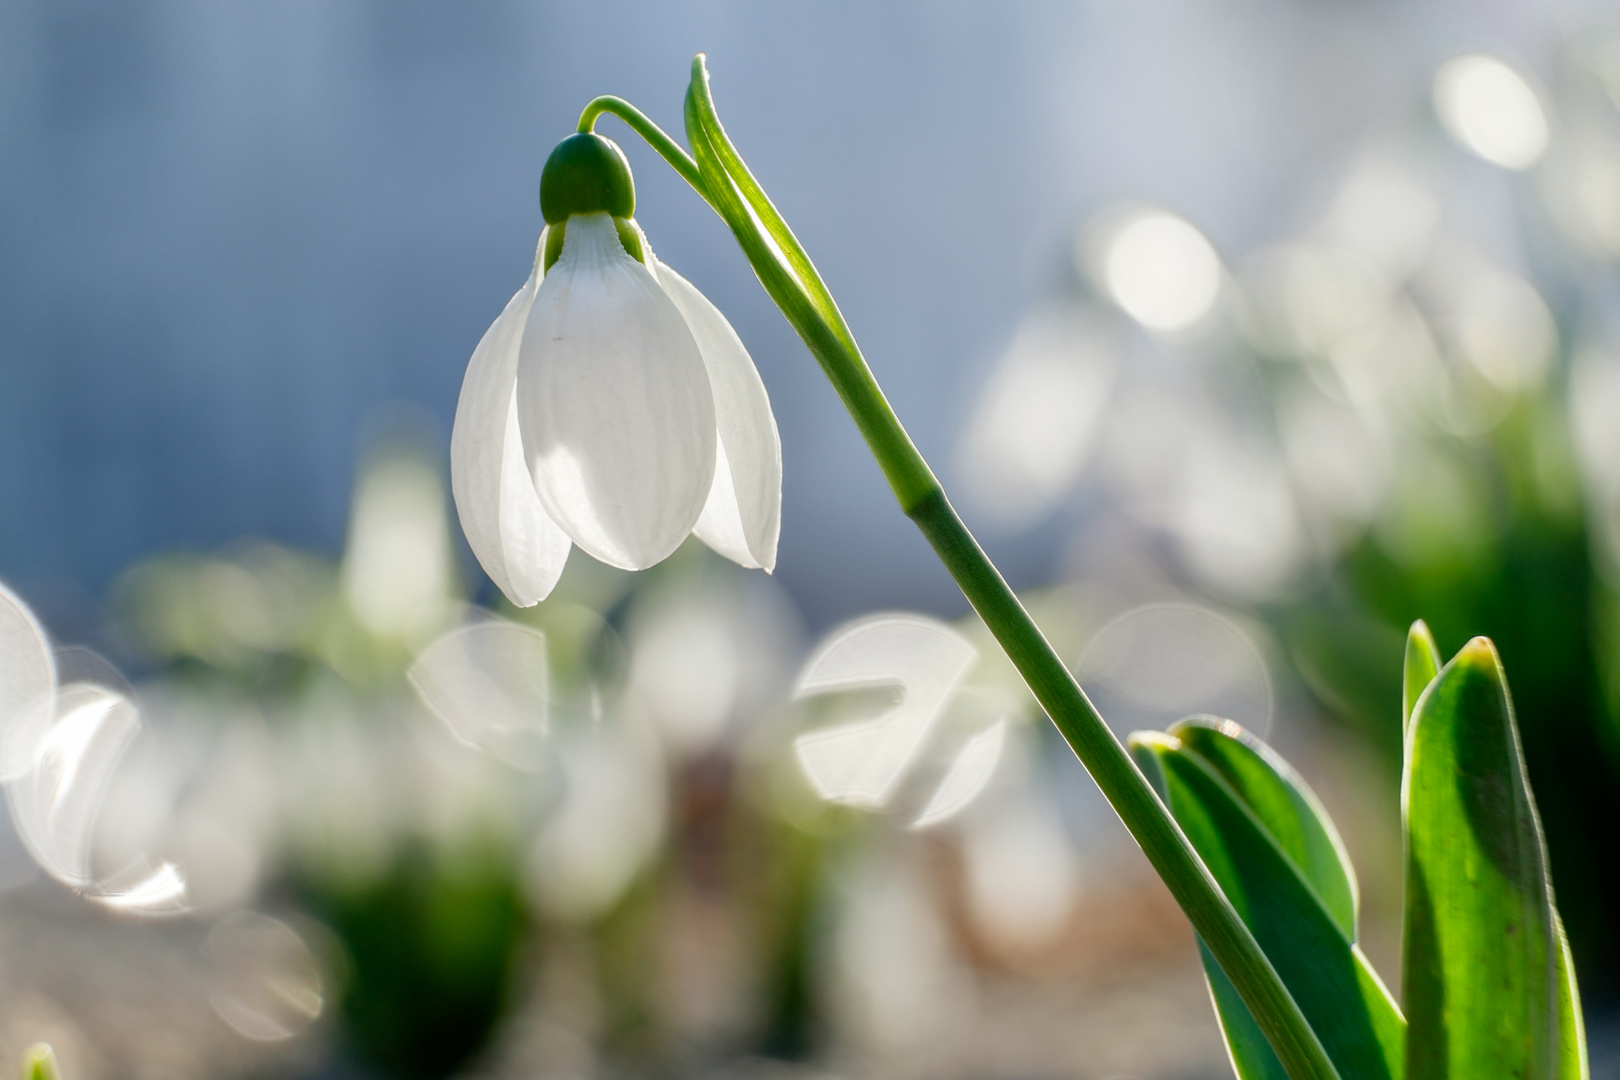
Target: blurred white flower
{"type": "Point", "coordinates": [1036, 420]}
{"type": "Point", "coordinates": [1156, 266]}
{"type": "Point", "coordinates": [612, 406]}
{"type": "Point", "coordinates": [62, 739]}
{"type": "Point", "coordinates": [1492, 110]}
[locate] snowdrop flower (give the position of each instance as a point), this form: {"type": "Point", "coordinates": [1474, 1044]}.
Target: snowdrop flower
{"type": "Point", "coordinates": [610, 405]}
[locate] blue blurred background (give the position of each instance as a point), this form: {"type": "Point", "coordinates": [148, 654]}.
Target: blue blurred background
{"type": "Point", "coordinates": [231, 232]}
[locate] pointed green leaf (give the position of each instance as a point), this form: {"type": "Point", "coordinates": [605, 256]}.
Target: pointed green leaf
{"type": "Point", "coordinates": [1573, 1064]}
{"type": "Point", "coordinates": [39, 1063]}
{"type": "Point", "coordinates": [1284, 804]}
{"type": "Point", "coordinates": [1422, 665]}
{"type": "Point", "coordinates": [1342, 998]}
{"type": "Point", "coordinates": [1144, 747]}
{"type": "Point", "coordinates": [1483, 970]}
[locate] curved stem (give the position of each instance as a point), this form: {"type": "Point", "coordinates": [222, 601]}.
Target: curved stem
{"type": "Point", "coordinates": [655, 137]}
{"type": "Point", "coordinates": [793, 283]}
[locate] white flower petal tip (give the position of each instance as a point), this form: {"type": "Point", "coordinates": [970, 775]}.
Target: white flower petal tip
{"type": "Point", "coordinates": [742, 517]}
{"type": "Point", "coordinates": [614, 403]}
{"type": "Point", "coordinates": [518, 545]}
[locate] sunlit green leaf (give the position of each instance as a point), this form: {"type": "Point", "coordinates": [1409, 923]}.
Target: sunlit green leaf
{"type": "Point", "coordinates": [1285, 806]}
{"type": "Point", "coordinates": [1486, 982]}
{"type": "Point", "coordinates": [39, 1063]}
{"type": "Point", "coordinates": [1572, 1063]}
{"type": "Point", "coordinates": [1252, 1057]}
{"type": "Point", "coordinates": [1342, 998]}
{"type": "Point", "coordinates": [1422, 665]}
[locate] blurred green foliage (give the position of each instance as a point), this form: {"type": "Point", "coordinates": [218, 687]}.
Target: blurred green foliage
{"type": "Point", "coordinates": [1520, 569]}
{"type": "Point", "coordinates": [432, 945]}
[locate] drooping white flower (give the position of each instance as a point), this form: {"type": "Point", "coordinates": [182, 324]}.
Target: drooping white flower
{"type": "Point", "coordinates": [611, 406]}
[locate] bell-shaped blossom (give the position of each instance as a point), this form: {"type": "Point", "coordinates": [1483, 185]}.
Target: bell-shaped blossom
{"type": "Point", "coordinates": [613, 407]}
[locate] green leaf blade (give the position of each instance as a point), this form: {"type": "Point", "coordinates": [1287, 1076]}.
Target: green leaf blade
{"type": "Point", "coordinates": [1485, 983]}
{"type": "Point", "coordinates": [1341, 997]}
{"type": "Point", "coordinates": [1286, 807]}
{"type": "Point", "coordinates": [39, 1063]}
{"type": "Point", "coordinates": [1251, 1056]}
{"type": "Point", "coordinates": [1572, 1063]}
{"type": "Point", "coordinates": [1422, 665]}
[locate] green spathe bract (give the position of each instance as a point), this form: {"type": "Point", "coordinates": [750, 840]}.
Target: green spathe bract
{"type": "Point", "coordinates": [586, 174]}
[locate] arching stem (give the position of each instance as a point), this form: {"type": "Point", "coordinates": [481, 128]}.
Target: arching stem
{"type": "Point", "coordinates": [717, 172]}
{"type": "Point", "coordinates": [655, 137]}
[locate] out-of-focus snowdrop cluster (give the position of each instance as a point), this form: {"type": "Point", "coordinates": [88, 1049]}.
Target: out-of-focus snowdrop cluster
{"type": "Point", "coordinates": [1494, 330]}
{"type": "Point", "coordinates": [101, 798]}
{"type": "Point", "coordinates": [968, 842]}
{"type": "Point", "coordinates": [398, 569]}
{"type": "Point", "coordinates": [1492, 110]}
{"type": "Point", "coordinates": [901, 722]}
{"type": "Point", "coordinates": [898, 992]}
{"type": "Point", "coordinates": [923, 754]}
{"type": "Point", "coordinates": [604, 721]}
{"type": "Point", "coordinates": [710, 653]}
{"type": "Point", "coordinates": [229, 612]}
{"type": "Point", "coordinates": [1153, 665]}
{"type": "Point", "coordinates": [1393, 395]}
{"type": "Point", "coordinates": [593, 751]}
{"type": "Point", "coordinates": [488, 681]}
{"type": "Point", "coordinates": [1156, 266]}
{"type": "Point", "coordinates": [609, 822]}
{"type": "Point", "coordinates": [1271, 415]}
{"type": "Point", "coordinates": [1040, 844]}
{"type": "Point", "coordinates": [257, 612]}
{"type": "Point", "coordinates": [265, 981]}
{"type": "Point", "coordinates": [200, 788]}
{"type": "Point", "coordinates": [1580, 178]}
{"type": "Point", "coordinates": [1023, 875]}
{"type": "Point", "coordinates": [409, 766]}
{"type": "Point", "coordinates": [1594, 419]}
{"type": "Point", "coordinates": [63, 736]}
{"type": "Point", "coordinates": [1233, 515]}
{"type": "Point", "coordinates": [1039, 416]}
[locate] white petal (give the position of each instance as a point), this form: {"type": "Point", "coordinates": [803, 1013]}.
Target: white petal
{"type": "Point", "coordinates": [27, 685]}
{"type": "Point", "coordinates": [535, 547]}
{"type": "Point", "coordinates": [56, 804]}
{"type": "Point", "coordinates": [517, 544]}
{"type": "Point", "coordinates": [614, 403]}
{"type": "Point", "coordinates": [743, 516]}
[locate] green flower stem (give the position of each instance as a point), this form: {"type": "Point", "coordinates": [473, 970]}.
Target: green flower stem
{"type": "Point", "coordinates": [655, 136]}
{"type": "Point", "coordinates": [1127, 790]}
{"type": "Point", "coordinates": [719, 174]}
